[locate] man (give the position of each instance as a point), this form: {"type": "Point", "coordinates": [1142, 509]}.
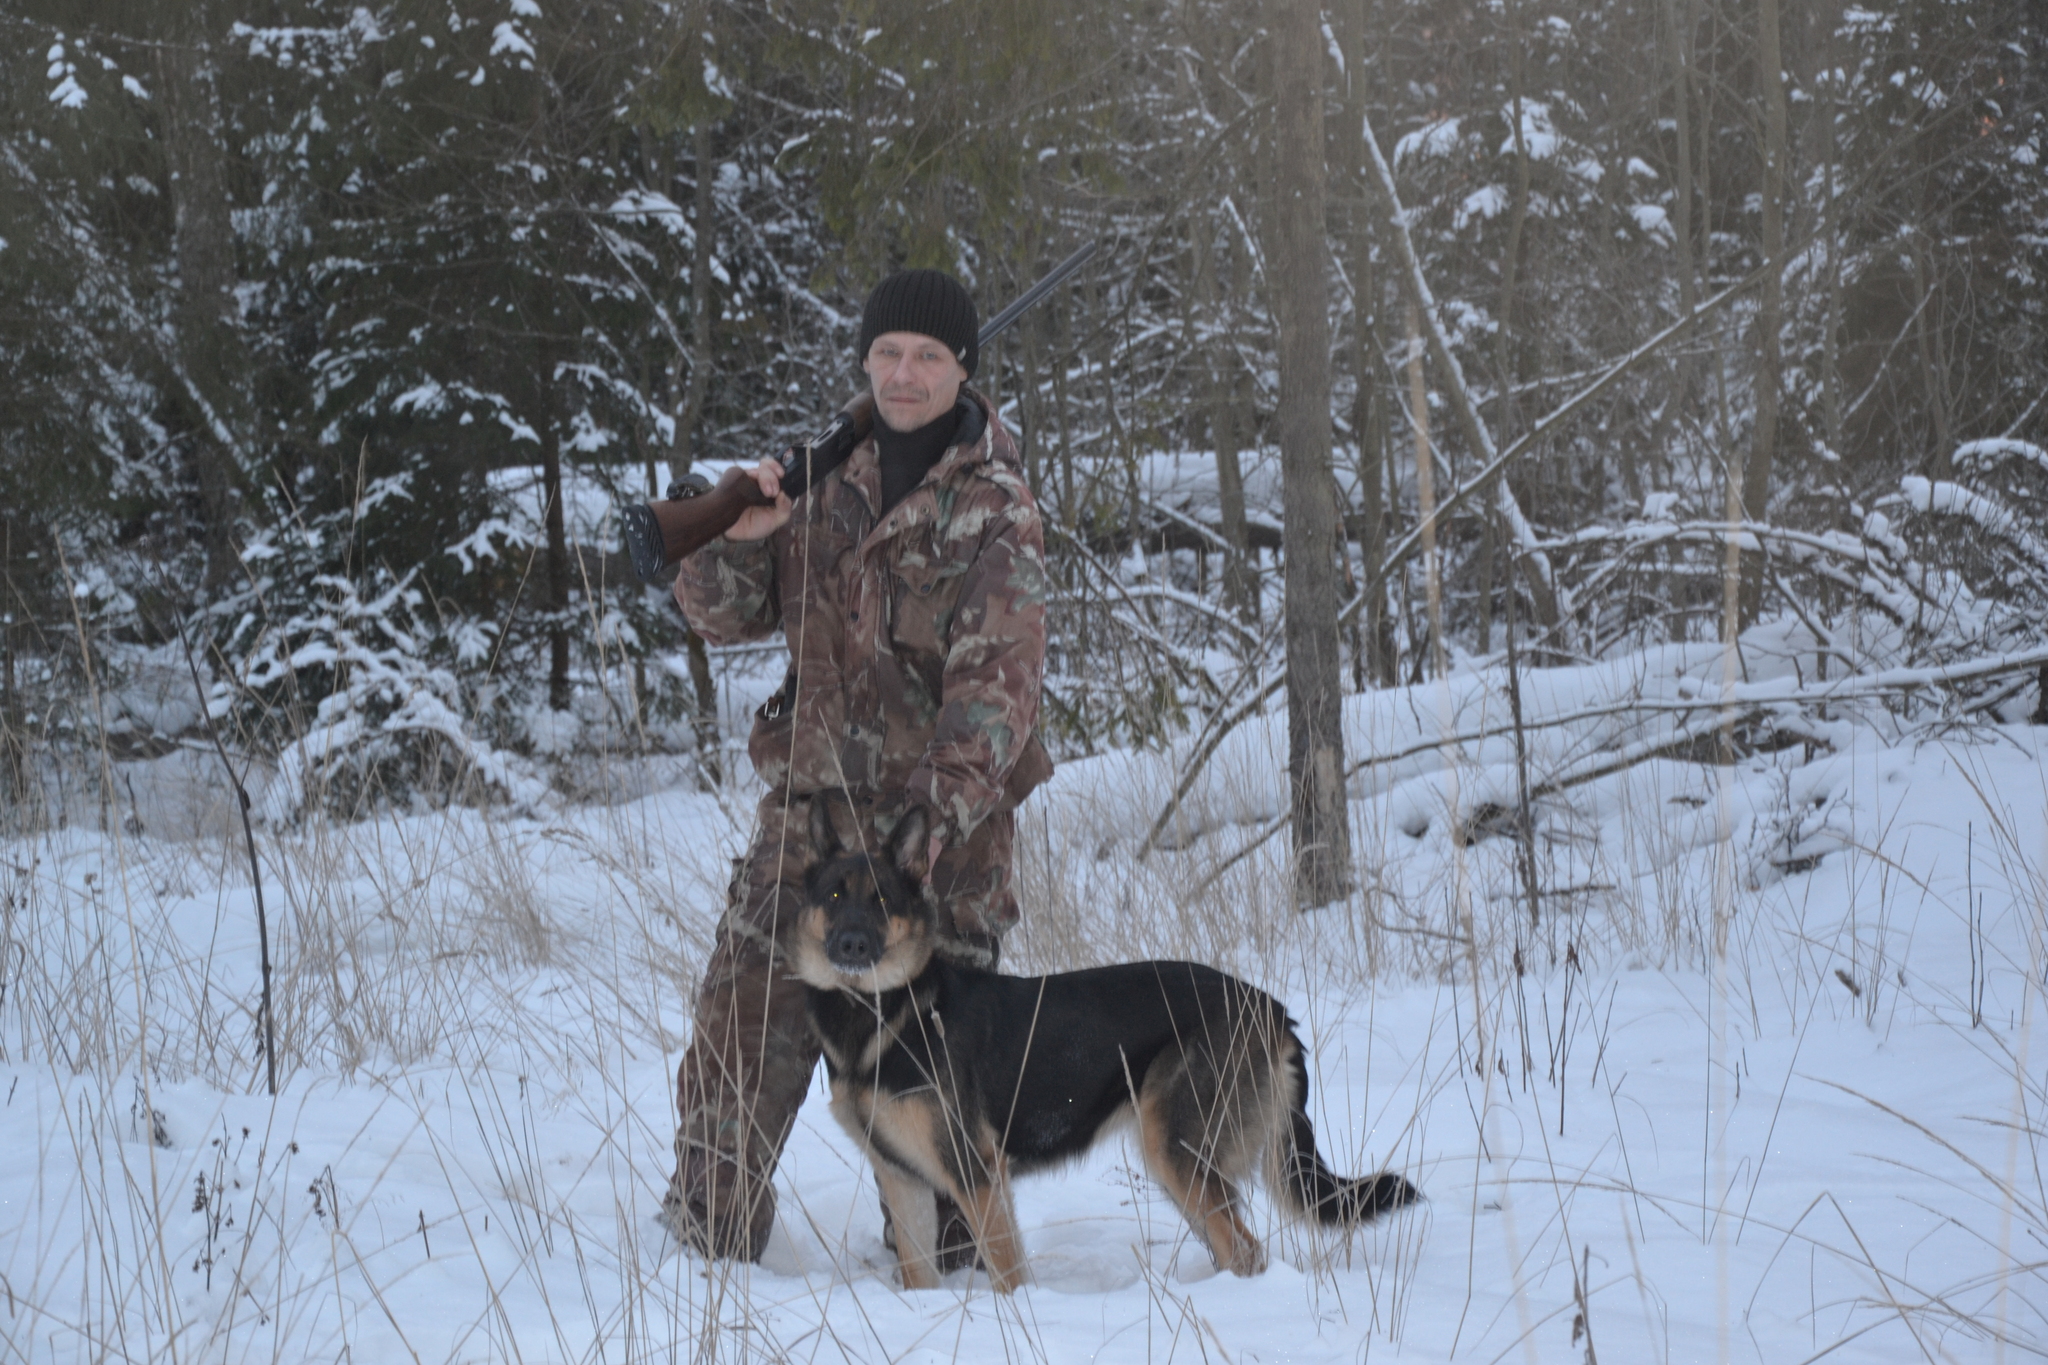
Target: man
{"type": "Point", "coordinates": [910, 586]}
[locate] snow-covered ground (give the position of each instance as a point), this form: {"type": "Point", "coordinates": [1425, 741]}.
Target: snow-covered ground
{"type": "Point", "coordinates": [1758, 1082]}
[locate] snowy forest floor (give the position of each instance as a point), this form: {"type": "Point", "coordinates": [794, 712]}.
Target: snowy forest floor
{"type": "Point", "coordinates": [1813, 1132]}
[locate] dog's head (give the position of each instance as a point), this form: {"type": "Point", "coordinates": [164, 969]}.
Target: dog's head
{"type": "Point", "coordinates": [866, 925]}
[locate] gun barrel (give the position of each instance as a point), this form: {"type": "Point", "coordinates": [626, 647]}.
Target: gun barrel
{"type": "Point", "coordinates": [1057, 276]}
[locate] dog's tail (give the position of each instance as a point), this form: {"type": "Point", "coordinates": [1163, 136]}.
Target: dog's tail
{"type": "Point", "coordinates": [1312, 1189]}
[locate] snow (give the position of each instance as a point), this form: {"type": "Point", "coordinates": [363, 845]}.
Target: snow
{"type": "Point", "coordinates": [152, 692]}
{"type": "Point", "coordinates": [1539, 135]}
{"type": "Point", "coordinates": [521, 431]}
{"type": "Point", "coordinates": [1819, 1137]}
{"type": "Point", "coordinates": [588, 502]}
{"type": "Point", "coordinates": [506, 37]}
{"type": "Point", "coordinates": [67, 93]}
{"type": "Point", "coordinates": [714, 81]}
{"type": "Point", "coordinates": [1992, 516]}
{"type": "Point", "coordinates": [1856, 19]}
{"type": "Point", "coordinates": [1484, 202]}
{"type": "Point", "coordinates": [1652, 221]}
{"type": "Point", "coordinates": [638, 205]}
{"type": "Point", "coordinates": [1435, 139]}
{"type": "Point", "coordinates": [428, 397]}
{"type": "Point", "coordinates": [1987, 454]}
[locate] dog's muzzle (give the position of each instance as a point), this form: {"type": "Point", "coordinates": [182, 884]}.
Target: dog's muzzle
{"type": "Point", "coordinates": [853, 948]}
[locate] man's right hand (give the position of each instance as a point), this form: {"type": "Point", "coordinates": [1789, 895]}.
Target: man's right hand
{"type": "Point", "coordinates": [758, 523]}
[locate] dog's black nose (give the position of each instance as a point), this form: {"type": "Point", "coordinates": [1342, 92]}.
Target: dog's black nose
{"type": "Point", "coordinates": [852, 947]}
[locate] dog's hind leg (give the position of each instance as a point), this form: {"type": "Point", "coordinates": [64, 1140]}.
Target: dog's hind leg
{"type": "Point", "coordinates": [913, 1210]}
{"type": "Point", "coordinates": [1177, 1133]}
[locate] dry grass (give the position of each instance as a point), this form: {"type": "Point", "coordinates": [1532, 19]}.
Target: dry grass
{"type": "Point", "coordinates": [422, 944]}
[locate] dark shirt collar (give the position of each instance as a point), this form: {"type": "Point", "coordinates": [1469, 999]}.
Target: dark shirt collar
{"type": "Point", "coordinates": [907, 456]}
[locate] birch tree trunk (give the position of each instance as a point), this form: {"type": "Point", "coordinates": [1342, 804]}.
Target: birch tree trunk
{"type": "Point", "coordinates": [1299, 279]}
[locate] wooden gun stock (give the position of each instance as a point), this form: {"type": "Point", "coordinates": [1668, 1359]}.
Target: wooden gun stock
{"type": "Point", "coordinates": [659, 534]}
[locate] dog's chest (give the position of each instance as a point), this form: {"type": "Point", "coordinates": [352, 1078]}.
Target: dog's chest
{"type": "Point", "coordinates": [859, 1040]}
{"type": "Point", "coordinates": [885, 1061]}
{"type": "Point", "coordinates": [911, 1129]}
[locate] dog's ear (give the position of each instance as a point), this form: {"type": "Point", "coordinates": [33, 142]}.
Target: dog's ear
{"type": "Point", "coordinates": [907, 844]}
{"type": "Point", "coordinates": [824, 841]}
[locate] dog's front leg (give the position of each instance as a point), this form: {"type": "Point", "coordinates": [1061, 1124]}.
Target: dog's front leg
{"type": "Point", "coordinates": [992, 1216]}
{"type": "Point", "coordinates": [913, 1209]}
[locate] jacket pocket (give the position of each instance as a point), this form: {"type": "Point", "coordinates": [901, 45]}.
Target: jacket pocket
{"type": "Point", "coordinates": [924, 590]}
{"type": "Point", "coordinates": [921, 601]}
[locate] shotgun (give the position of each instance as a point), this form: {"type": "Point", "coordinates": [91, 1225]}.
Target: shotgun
{"type": "Point", "coordinates": [695, 513]}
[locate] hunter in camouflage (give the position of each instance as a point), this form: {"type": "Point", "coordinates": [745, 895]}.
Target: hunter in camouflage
{"type": "Point", "coordinates": [915, 620]}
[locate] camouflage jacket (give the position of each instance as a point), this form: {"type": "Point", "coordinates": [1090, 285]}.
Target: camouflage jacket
{"type": "Point", "coordinates": [916, 643]}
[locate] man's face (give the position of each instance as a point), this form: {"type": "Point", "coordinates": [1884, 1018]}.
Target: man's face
{"type": "Point", "coordinates": [915, 378]}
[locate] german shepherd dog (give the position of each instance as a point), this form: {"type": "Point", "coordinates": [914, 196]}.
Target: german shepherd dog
{"type": "Point", "coordinates": [953, 1079]}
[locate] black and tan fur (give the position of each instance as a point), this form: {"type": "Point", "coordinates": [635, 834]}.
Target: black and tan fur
{"type": "Point", "coordinates": [954, 1079]}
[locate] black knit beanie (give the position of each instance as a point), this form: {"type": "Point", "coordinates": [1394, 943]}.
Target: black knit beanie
{"type": "Point", "coordinates": [929, 302]}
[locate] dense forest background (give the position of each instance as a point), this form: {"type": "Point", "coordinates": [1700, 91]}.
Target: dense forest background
{"type": "Point", "coordinates": [331, 331]}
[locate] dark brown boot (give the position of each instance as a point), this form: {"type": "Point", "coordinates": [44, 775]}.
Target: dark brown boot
{"type": "Point", "coordinates": [718, 1209]}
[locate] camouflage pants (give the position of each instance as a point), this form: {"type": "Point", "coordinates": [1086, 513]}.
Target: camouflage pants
{"type": "Point", "coordinates": [751, 1053]}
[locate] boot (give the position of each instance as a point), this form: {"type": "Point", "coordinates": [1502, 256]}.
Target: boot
{"type": "Point", "coordinates": [718, 1209]}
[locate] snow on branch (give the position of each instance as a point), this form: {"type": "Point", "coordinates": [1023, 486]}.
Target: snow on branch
{"type": "Point", "coordinates": [1987, 454]}
{"type": "Point", "coordinates": [1942, 498]}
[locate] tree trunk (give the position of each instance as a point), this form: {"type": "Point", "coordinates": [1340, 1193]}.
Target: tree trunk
{"type": "Point", "coordinates": [558, 536]}
{"type": "Point", "coordinates": [1504, 350]}
{"type": "Point", "coordinates": [1299, 279]}
{"type": "Point", "coordinates": [1679, 44]}
{"type": "Point", "coordinates": [1425, 501]}
{"type": "Point", "coordinates": [1684, 371]}
{"type": "Point", "coordinates": [1368, 413]}
{"type": "Point", "coordinates": [1756, 477]}
{"type": "Point", "coordinates": [703, 306]}
{"type": "Point", "coordinates": [702, 303]}
{"type": "Point", "coordinates": [1030, 405]}
{"type": "Point", "coordinates": [207, 355]}
{"type": "Point", "coordinates": [1831, 337]}
{"type": "Point", "coordinates": [1240, 588]}
{"type": "Point", "coordinates": [1940, 463]}
{"type": "Point", "coordinates": [1539, 577]}
{"type": "Point", "coordinates": [13, 788]}
{"type": "Point", "coordinates": [1059, 407]}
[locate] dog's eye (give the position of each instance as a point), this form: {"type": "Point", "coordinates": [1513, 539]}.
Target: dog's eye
{"type": "Point", "coordinates": [835, 895]}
